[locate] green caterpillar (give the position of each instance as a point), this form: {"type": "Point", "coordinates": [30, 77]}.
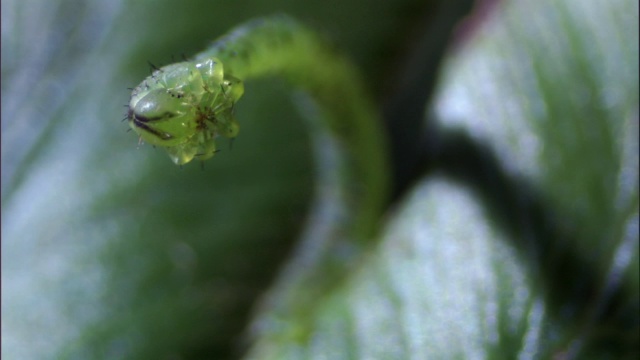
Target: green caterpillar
{"type": "Point", "coordinates": [184, 107]}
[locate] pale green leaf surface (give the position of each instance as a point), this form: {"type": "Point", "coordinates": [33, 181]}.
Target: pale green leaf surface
{"type": "Point", "coordinates": [566, 76]}
{"type": "Point", "coordinates": [443, 283]}
{"type": "Point", "coordinates": [551, 90]}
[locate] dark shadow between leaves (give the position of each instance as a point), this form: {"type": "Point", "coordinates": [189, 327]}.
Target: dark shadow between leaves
{"type": "Point", "coordinates": [600, 320]}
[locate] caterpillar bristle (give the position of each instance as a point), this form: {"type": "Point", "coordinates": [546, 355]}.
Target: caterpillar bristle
{"type": "Point", "coordinates": [153, 67]}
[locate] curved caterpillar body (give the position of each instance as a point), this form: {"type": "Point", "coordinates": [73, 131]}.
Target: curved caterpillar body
{"type": "Point", "coordinates": [185, 106]}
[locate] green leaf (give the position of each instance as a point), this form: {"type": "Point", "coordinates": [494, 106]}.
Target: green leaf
{"type": "Point", "coordinates": [551, 93]}
{"type": "Point", "coordinates": [444, 283]}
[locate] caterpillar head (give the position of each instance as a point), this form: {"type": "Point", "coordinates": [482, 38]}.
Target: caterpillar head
{"type": "Point", "coordinates": [184, 107]}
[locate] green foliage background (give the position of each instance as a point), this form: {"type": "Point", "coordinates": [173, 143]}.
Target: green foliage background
{"type": "Point", "coordinates": [514, 236]}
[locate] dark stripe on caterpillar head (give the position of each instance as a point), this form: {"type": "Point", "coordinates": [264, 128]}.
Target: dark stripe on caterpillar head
{"type": "Point", "coordinates": [159, 134]}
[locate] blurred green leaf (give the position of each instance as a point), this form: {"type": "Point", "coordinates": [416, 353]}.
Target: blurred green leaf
{"type": "Point", "coordinates": [444, 283]}
{"type": "Point", "coordinates": [550, 90]}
